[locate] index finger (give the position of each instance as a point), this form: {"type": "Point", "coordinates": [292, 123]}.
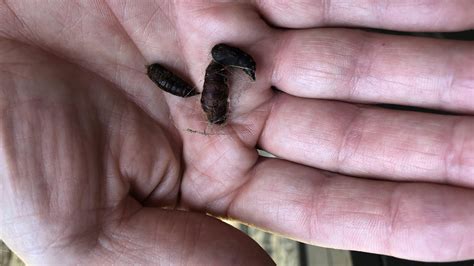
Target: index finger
{"type": "Point", "coordinates": [408, 15]}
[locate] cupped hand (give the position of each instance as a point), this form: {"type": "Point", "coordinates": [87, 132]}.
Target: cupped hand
{"type": "Point", "coordinates": [99, 165]}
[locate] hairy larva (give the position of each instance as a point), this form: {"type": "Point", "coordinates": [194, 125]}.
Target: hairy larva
{"type": "Point", "coordinates": [215, 93]}
{"type": "Point", "coordinates": [169, 82]}
{"type": "Point", "coordinates": [234, 57]}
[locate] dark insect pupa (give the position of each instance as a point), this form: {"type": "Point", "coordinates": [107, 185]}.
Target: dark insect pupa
{"type": "Point", "coordinates": [234, 57]}
{"type": "Point", "coordinates": [169, 82]}
{"type": "Point", "coordinates": [215, 93]}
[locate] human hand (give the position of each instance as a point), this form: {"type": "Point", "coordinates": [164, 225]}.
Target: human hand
{"type": "Point", "coordinates": [91, 154]}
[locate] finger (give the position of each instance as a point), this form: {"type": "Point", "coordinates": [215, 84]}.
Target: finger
{"type": "Point", "coordinates": [153, 236]}
{"type": "Point", "coordinates": [424, 15]}
{"type": "Point", "coordinates": [367, 67]}
{"type": "Point", "coordinates": [408, 220]}
{"type": "Point", "coordinates": [132, 234]}
{"type": "Point", "coordinates": [371, 142]}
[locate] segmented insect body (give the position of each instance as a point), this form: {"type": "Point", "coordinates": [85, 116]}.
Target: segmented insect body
{"type": "Point", "coordinates": [215, 93]}
{"type": "Point", "coordinates": [169, 82]}
{"type": "Point", "coordinates": [231, 56]}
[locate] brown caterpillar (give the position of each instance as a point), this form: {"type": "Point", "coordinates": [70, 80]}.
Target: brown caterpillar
{"type": "Point", "coordinates": [169, 82]}
{"type": "Point", "coordinates": [215, 94]}
{"type": "Point", "coordinates": [234, 57]}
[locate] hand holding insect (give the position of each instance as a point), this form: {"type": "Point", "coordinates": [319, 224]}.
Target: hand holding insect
{"type": "Point", "coordinates": [96, 169]}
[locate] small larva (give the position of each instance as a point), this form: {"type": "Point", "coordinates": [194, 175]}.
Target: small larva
{"type": "Point", "coordinates": [169, 82]}
{"type": "Point", "coordinates": [215, 93]}
{"type": "Point", "coordinates": [234, 57]}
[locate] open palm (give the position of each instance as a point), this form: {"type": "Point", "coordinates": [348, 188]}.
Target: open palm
{"type": "Point", "coordinates": [96, 161]}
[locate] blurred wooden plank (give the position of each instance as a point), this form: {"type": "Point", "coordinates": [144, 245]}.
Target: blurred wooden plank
{"type": "Point", "coordinates": [340, 257]}
{"type": "Point", "coordinates": [265, 154]}
{"type": "Point", "coordinates": [5, 254]}
{"type": "Point", "coordinates": [317, 256]}
{"type": "Point", "coordinates": [287, 252]}
{"type": "Point", "coordinates": [16, 261]}
{"type": "Point", "coordinates": [7, 257]}
{"type": "Point", "coordinates": [282, 250]}
{"type": "Point", "coordinates": [327, 257]}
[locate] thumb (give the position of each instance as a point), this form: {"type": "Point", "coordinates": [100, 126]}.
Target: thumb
{"type": "Point", "coordinates": [157, 236]}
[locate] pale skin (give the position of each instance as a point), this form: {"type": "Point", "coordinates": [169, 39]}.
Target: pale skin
{"type": "Point", "coordinates": [92, 151]}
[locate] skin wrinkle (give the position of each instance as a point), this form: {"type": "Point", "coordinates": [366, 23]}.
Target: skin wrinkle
{"type": "Point", "coordinates": [123, 30]}
{"type": "Point", "coordinates": [175, 187]}
{"type": "Point", "coordinates": [190, 233]}
{"type": "Point", "coordinates": [80, 196]}
{"type": "Point", "coordinates": [160, 184]}
{"type": "Point", "coordinates": [327, 4]}
{"type": "Point", "coordinates": [460, 245]}
{"type": "Point", "coordinates": [52, 195]}
{"type": "Point", "coordinates": [103, 169]}
{"type": "Point", "coordinates": [179, 40]}
{"type": "Point", "coordinates": [221, 155]}
{"type": "Point", "coordinates": [213, 205]}
{"type": "Point", "coordinates": [25, 26]}
{"type": "Point", "coordinates": [394, 210]}
{"type": "Point", "coordinates": [205, 203]}
{"type": "Point", "coordinates": [348, 138]}
{"type": "Point", "coordinates": [148, 23]}
{"type": "Point", "coordinates": [124, 119]}
{"type": "Point", "coordinates": [371, 202]}
{"type": "Point", "coordinates": [408, 149]}
{"type": "Point", "coordinates": [179, 37]}
{"type": "Point", "coordinates": [453, 79]}
{"type": "Point", "coordinates": [13, 73]}
{"type": "Point", "coordinates": [444, 96]}
{"type": "Point", "coordinates": [315, 71]}
{"type": "Point", "coordinates": [361, 64]}
{"type": "Point", "coordinates": [319, 74]}
{"type": "Point", "coordinates": [109, 244]}
{"type": "Point", "coordinates": [437, 81]}
{"type": "Point", "coordinates": [449, 153]}
{"type": "Point", "coordinates": [107, 234]}
{"type": "Point", "coordinates": [38, 177]}
{"type": "Point", "coordinates": [314, 10]}
{"type": "Point", "coordinates": [284, 41]}
{"type": "Point", "coordinates": [239, 191]}
{"type": "Point", "coordinates": [453, 155]}
{"type": "Point", "coordinates": [316, 206]}
{"type": "Point", "coordinates": [223, 196]}
{"type": "Point", "coordinates": [463, 151]}
{"type": "Point", "coordinates": [275, 98]}
{"type": "Point", "coordinates": [68, 28]}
